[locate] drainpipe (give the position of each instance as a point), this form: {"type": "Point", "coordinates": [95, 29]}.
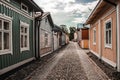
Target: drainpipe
{"type": "Point", "coordinates": [37, 38]}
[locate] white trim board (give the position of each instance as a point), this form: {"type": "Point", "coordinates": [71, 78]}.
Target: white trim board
{"type": "Point", "coordinates": [11, 7]}
{"type": "Point", "coordinates": [108, 13]}
{"type": "Point", "coordinates": [104, 59]}
{"type": "Point", "coordinates": [15, 66]}
{"type": "Point", "coordinates": [109, 62]}
{"type": "Point", "coordinates": [46, 54]}
{"type": "Point", "coordinates": [118, 37]}
{"type": "Point", "coordinates": [95, 53]}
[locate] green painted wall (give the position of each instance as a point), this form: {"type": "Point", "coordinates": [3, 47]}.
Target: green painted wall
{"type": "Point", "coordinates": [17, 56]}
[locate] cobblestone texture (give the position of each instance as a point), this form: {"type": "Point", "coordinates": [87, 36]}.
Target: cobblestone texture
{"type": "Point", "coordinates": [70, 64]}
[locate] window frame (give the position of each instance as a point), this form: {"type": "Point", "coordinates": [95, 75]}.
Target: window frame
{"type": "Point", "coordinates": [5, 18]}
{"type": "Point", "coordinates": [22, 4]}
{"type": "Point", "coordinates": [94, 36]}
{"type": "Point", "coordinates": [46, 38]}
{"type": "Point", "coordinates": [108, 45]}
{"type": "Point", "coordinates": [25, 25]}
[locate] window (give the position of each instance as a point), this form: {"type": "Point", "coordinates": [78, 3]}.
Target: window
{"type": "Point", "coordinates": [94, 36]}
{"type": "Point", "coordinates": [24, 36]}
{"type": "Point", "coordinates": [24, 7]}
{"type": "Point", "coordinates": [108, 33]}
{"type": "Point", "coordinates": [46, 39]}
{"type": "Point", "coordinates": [5, 36]}
{"type": "Point", "coordinates": [46, 20]}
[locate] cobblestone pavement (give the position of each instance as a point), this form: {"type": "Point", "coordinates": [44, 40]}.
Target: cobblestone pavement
{"type": "Point", "coordinates": [70, 64]}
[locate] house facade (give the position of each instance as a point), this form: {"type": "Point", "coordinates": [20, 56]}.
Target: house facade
{"type": "Point", "coordinates": [57, 33]}
{"type": "Point", "coordinates": [45, 37]}
{"type": "Point", "coordinates": [16, 33]}
{"type": "Point", "coordinates": [83, 37]}
{"type": "Point", "coordinates": [104, 32]}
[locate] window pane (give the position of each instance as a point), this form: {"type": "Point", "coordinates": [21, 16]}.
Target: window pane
{"type": "Point", "coordinates": [106, 37]}
{"type": "Point", "coordinates": [25, 30]}
{"type": "Point", "coordinates": [24, 7]}
{"type": "Point", "coordinates": [46, 41]}
{"type": "Point", "coordinates": [6, 40]}
{"type": "Point", "coordinates": [22, 29]}
{"type": "Point", "coordinates": [108, 25]}
{"type": "Point", "coordinates": [0, 24]}
{"type": "Point", "coordinates": [6, 25]}
{"type": "Point", "coordinates": [25, 41]}
{"type": "Point", "coordinates": [110, 36]}
{"type": "Point", "coordinates": [0, 40]}
{"type": "Point", "coordinates": [22, 41]}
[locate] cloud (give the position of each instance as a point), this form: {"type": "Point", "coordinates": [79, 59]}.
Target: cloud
{"type": "Point", "coordinates": [68, 12]}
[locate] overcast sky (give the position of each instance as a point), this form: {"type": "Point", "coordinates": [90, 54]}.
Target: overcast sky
{"type": "Point", "coordinates": [68, 12]}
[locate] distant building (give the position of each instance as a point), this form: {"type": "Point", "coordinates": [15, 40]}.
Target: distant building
{"type": "Point", "coordinates": [75, 36]}
{"type": "Point", "coordinates": [44, 35]}
{"type": "Point", "coordinates": [83, 37]}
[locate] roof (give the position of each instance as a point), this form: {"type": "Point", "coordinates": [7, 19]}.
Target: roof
{"type": "Point", "coordinates": [33, 5]}
{"type": "Point", "coordinates": [40, 16]}
{"type": "Point", "coordinates": [97, 10]}
{"type": "Point", "coordinates": [57, 28]}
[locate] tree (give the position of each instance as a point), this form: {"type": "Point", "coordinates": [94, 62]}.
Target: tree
{"type": "Point", "coordinates": [64, 28]}
{"type": "Point", "coordinates": [72, 31]}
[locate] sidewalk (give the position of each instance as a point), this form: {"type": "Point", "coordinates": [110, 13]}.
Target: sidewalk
{"type": "Point", "coordinates": [70, 64]}
{"type": "Point", "coordinates": [92, 71]}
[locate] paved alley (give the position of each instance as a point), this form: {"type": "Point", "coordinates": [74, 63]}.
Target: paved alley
{"type": "Point", "coordinates": [70, 64]}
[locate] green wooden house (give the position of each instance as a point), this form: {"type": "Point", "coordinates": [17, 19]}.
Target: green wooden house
{"type": "Point", "coordinates": [16, 33]}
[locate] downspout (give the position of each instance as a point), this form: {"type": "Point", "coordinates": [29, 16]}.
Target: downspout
{"type": "Point", "coordinates": [34, 34]}
{"type": "Point", "coordinates": [37, 38]}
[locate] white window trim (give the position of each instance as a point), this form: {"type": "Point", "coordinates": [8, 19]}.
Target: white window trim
{"type": "Point", "coordinates": [94, 43]}
{"type": "Point", "coordinates": [25, 48]}
{"type": "Point", "coordinates": [47, 38]}
{"type": "Point", "coordinates": [107, 45]}
{"type": "Point", "coordinates": [10, 51]}
{"type": "Point", "coordinates": [25, 6]}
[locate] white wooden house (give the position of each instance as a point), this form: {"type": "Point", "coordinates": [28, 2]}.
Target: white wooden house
{"type": "Point", "coordinates": [44, 35]}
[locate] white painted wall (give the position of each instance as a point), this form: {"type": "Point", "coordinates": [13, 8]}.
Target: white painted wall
{"type": "Point", "coordinates": [56, 45]}
{"type": "Point", "coordinates": [45, 27]}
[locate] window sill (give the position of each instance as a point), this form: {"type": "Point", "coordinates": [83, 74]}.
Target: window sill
{"type": "Point", "coordinates": [24, 49]}
{"type": "Point", "coordinates": [108, 46]}
{"type": "Point", "coordinates": [5, 52]}
{"type": "Point", "coordinates": [94, 43]}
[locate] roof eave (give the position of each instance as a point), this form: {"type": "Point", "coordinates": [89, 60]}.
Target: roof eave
{"type": "Point", "coordinates": [36, 7]}
{"type": "Point", "coordinates": [94, 10]}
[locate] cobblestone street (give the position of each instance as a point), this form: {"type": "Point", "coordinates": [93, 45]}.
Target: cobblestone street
{"type": "Point", "coordinates": [70, 64]}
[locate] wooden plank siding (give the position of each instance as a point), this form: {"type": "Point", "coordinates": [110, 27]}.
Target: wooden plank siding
{"type": "Point", "coordinates": [17, 56]}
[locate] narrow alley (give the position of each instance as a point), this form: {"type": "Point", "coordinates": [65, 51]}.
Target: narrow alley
{"type": "Point", "coordinates": [70, 64]}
